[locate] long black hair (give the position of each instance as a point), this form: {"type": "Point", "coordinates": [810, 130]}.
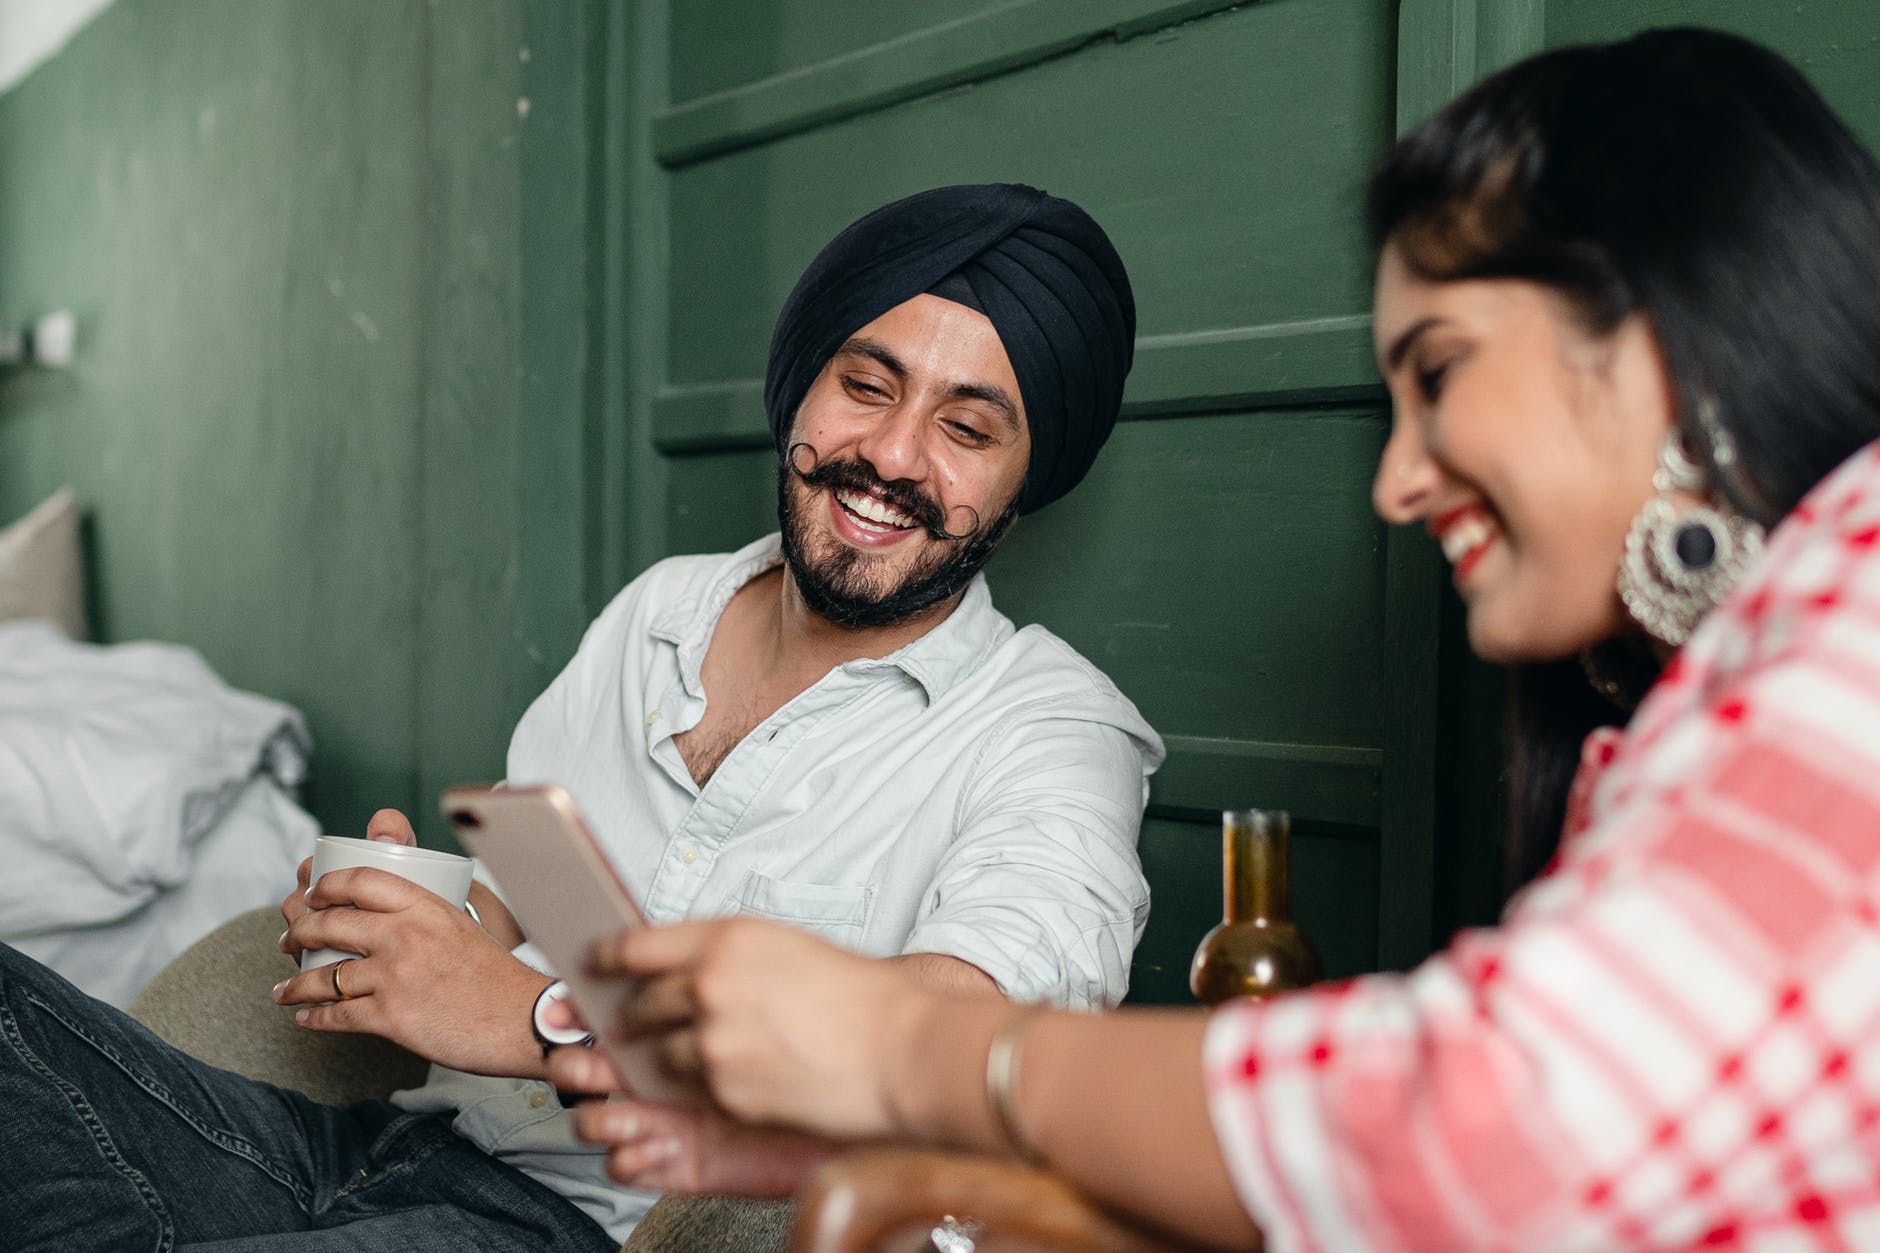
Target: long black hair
{"type": "Point", "coordinates": [1694, 178]}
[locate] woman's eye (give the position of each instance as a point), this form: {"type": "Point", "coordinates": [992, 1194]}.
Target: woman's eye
{"type": "Point", "coordinates": [1430, 381]}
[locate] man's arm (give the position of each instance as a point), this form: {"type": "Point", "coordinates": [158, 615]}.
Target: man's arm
{"type": "Point", "coordinates": [946, 974]}
{"type": "Point", "coordinates": [495, 917]}
{"type": "Point", "coordinates": [1042, 886]}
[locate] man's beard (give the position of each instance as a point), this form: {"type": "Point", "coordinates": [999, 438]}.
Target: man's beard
{"type": "Point", "coordinates": [840, 587]}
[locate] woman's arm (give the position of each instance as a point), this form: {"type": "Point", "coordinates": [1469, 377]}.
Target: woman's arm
{"type": "Point", "coordinates": [1113, 1102]}
{"type": "Point", "coordinates": [786, 1029]}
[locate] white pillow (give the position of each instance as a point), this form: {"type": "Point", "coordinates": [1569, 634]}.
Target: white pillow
{"type": "Point", "coordinates": [41, 570]}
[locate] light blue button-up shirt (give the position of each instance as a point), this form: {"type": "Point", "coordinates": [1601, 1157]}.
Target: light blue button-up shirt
{"type": "Point", "coordinates": [977, 793]}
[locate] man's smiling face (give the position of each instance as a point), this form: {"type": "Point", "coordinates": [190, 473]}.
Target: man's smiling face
{"type": "Point", "coordinates": [904, 465]}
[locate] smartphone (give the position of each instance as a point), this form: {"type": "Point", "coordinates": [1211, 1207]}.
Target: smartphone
{"type": "Point", "coordinates": [566, 895]}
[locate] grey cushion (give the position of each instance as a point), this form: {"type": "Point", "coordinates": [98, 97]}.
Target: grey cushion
{"type": "Point", "coordinates": [212, 1002]}
{"type": "Point", "coordinates": [713, 1224]}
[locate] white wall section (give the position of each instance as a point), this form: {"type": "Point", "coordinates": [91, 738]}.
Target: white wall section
{"type": "Point", "coordinates": [32, 31]}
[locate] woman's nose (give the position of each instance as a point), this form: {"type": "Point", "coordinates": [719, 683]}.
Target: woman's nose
{"type": "Point", "coordinates": [1406, 477]}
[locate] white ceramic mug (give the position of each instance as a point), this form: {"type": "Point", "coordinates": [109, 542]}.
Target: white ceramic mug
{"type": "Point", "coordinates": [446, 874]}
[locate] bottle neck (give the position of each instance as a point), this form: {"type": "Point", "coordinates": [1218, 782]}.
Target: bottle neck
{"type": "Point", "coordinates": [1255, 865]}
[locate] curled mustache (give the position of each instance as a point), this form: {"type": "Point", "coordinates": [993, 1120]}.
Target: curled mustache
{"type": "Point", "coordinates": [851, 474]}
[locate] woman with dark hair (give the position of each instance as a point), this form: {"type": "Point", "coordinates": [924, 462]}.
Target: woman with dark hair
{"type": "Point", "coordinates": [1628, 308]}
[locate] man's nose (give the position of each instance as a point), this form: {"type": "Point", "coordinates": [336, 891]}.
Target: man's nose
{"type": "Point", "coordinates": [895, 446]}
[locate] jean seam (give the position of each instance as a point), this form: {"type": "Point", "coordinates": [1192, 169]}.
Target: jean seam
{"type": "Point", "coordinates": [368, 1180]}
{"type": "Point", "coordinates": [236, 1145]}
{"type": "Point", "coordinates": [100, 1134]}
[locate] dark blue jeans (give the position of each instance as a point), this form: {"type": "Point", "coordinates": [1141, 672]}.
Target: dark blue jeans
{"type": "Point", "coordinates": [112, 1140]}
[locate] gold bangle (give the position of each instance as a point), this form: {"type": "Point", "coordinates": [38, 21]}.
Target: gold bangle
{"type": "Point", "coordinates": [1002, 1058]}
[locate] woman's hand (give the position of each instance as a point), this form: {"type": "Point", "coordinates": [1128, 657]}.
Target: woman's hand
{"type": "Point", "coordinates": [778, 1026]}
{"type": "Point", "coordinates": [682, 1150]}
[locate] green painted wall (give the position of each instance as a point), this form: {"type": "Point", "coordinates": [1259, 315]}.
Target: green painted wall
{"type": "Point", "coordinates": [292, 234]}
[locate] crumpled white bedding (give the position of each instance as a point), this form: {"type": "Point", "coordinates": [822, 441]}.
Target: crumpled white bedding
{"type": "Point", "coordinates": [142, 803]}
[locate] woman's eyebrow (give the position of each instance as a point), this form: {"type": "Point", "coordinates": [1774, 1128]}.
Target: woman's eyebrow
{"type": "Point", "coordinates": [1394, 355]}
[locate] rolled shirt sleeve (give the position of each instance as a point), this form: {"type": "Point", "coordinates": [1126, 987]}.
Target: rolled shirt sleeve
{"type": "Point", "coordinates": [1043, 889]}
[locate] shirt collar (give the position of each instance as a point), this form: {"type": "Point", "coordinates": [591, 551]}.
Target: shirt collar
{"type": "Point", "coordinates": [937, 660]}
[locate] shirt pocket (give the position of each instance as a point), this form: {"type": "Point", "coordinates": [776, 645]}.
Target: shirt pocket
{"type": "Point", "coordinates": [838, 912]}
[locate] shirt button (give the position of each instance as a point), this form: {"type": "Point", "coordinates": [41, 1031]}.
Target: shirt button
{"type": "Point", "coordinates": [652, 718]}
{"type": "Point", "coordinates": [537, 1099]}
{"type": "Point", "coordinates": [689, 856]}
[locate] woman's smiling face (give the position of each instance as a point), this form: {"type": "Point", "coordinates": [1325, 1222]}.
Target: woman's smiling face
{"type": "Point", "coordinates": [1525, 444]}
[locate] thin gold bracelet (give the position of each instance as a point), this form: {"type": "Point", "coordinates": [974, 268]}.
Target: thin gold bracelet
{"type": "Point", "coordinates": [1002, 1058]}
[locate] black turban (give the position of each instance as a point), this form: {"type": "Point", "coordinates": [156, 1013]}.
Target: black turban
{"type": "Point", "coordinates": [1038, 267]}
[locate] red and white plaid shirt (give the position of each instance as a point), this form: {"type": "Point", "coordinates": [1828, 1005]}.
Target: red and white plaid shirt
{"type": "Point", "coordinates": [1673, 1038]}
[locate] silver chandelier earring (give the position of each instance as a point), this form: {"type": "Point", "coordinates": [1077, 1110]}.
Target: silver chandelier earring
{"type": "Point", "coordinates": [1680, 560]}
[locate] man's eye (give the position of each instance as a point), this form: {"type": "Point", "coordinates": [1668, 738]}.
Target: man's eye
{"type": "Point", "coordinates": [971, 434]}
{"type": "Point", "coordinates": [863, 389]}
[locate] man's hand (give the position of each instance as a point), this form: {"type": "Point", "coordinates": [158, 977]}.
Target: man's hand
{"type": "Point", "coordinates": [393, 827]}
{"type": "Point", "coordinates": [387, 825]}
{"type": "Point", "coordinates": [778, 1025]}
{"type": "Point", "coordinates": [428, 977]}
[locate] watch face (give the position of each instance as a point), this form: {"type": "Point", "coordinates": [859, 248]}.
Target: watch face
{"type": "Point", "coordinates": [549, 1036]}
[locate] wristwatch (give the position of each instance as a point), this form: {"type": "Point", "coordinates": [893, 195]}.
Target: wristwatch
{"type": "Point", "coordinates": [550, 1037]}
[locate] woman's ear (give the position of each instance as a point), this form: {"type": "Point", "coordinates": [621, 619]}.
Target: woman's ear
{"type": "Point", "coordinates": [1642, 377]}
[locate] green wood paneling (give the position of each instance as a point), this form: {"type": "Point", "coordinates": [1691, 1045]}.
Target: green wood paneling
{"type": "Point", "coordinates": [865, 62]}
{"type": "Point", "coordinates": [717, 47]}
{"type": "Point", "coordinates": [1192, 567]}
{"type": "Point", "coordinates": [1246, 222]}
{"type": "Point", "coordinates": [721, 502]}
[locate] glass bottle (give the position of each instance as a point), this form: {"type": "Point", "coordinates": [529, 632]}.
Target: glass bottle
{"type": "Point", "coordinates": [1257, 950]}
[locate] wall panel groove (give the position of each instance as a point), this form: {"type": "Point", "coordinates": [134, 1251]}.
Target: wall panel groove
{"type": "Point", "coordinates": [947, 54]}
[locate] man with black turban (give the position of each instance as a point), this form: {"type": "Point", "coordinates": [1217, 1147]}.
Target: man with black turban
{"type": "Point", "coordinates": [1025, 280]}
{"type": "Point", "coordinates": [831, 727]}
